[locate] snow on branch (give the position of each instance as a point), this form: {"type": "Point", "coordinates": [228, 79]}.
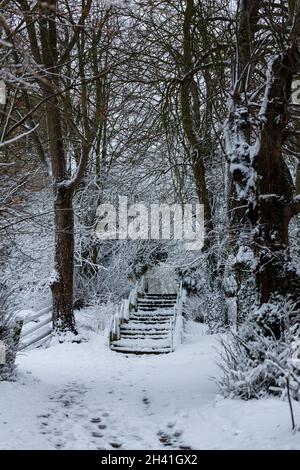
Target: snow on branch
{"type": "Point", "coordinates": [18, 137]}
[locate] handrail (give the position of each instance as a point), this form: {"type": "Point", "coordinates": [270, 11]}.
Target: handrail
{"type": "Point", "coordinates": [123, 310]}
{"type": "Point", "coordinates": [176, 331]}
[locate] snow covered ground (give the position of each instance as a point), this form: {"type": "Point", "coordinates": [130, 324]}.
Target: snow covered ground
{"type": "Point", "coordinates": [84, 396]}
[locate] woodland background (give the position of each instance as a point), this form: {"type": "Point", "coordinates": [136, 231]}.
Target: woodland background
{"type": "Point", "coordinates": [160, 101]}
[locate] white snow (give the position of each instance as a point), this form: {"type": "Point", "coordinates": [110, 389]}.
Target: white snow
{"type": "Point", "coordinates": [85, 396]}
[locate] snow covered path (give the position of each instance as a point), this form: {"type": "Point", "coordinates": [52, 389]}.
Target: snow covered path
{"type": "Point", "coordinates": [84, 396]}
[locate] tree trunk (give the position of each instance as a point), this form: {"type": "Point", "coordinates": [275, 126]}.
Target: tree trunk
{"type": "Point", "coordinates": [276, 190]}
{"type": "Point", "coordinates": [271, 249]}
{"type": "Point", "coordinates": [298, 179]}
{"type": "Point", "coordinates": [62, 285]}
{"type": "Point", "coordinates": [237, 206]}
{"type": "Point", "coordinates": [262, 179]}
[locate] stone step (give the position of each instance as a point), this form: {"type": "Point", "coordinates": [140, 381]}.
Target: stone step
{"type": "Point", "coordinates": [165, 331]}
{"type": "Point", "coordinates": [155, 306]}
{"type": "Point", "coordinates": [156, 299]}
{"type": "Point", "coordinates": [152, 309]}
{"type": "Point", "coordinates": [151, 322]}
{"type": "Point", "coordinates": [159, 296]}
{"type": "Point", "coordinates": [144, 316]}
{"type": "Point", "coordinates": [156, 302]}
{"type": "Point", "coordinates": [132, 334]}
{"type": "Point", "coordinates": [152, 318]}
{"type": "Point", "coordinates": [148, 331]}
{"type": "Point", "coordinates": [140, 336]}
{"type": "Point", "coordinates": [143, 343]}
{"type": "Point", "coordinates": [126, 350]}
{"type": "Point", "coordinates": [142, 327]}
{"type": "Point", "coordinates": [153, 313]}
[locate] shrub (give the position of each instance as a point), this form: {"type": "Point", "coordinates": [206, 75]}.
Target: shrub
{"type": "Point", "coordinates": [255, 362]}
{"type": "Point", "coordinates": [10, 331]}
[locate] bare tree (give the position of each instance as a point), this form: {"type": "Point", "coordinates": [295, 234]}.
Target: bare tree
{"type": "Point", "coordinates": [55, 45]}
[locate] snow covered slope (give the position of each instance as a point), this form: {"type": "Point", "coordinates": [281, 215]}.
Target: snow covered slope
{"type": "Point", "coordinates": [85, 396]}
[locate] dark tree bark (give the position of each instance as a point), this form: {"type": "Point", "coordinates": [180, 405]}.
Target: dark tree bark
{"type": "Point", "coordinates": [276, 204]}
{"type": "Point", "coordinates": [247, 24]}
{"type": "Point", "coordinates": [62, 284]}
{"type": "Point", "coordinates": [238, 223]}
{"type": "Point", "coordinates": [262, 179]}
{"type": "Point", "coordinates": [298, 179]}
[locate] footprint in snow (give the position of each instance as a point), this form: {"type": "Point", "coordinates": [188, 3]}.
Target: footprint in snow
{"type": "Point", "coordinates": [64, 423]}
{"type": "Point", "coordinates": [172, 439]}
{"type": "Point", "coordinates": [68, 426]}
{"type": "Point", "coordinates": [96, 420]}
{"type": "Point", "coordinates": [146, 401]}
{"type": "Point", "coordinates": [115, 445]}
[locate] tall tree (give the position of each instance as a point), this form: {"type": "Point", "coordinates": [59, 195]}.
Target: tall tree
{"type": "Point", "coordinates": [256, 130]}
{"type": "Point", "coordinates": [53, 48]}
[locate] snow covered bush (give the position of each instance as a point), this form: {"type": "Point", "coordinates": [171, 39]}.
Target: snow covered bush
{"type": "Point", "coordinates": [95, 318]}
{"type": "Point", "coordinates": [256, 362]}
{"type": "Point", "coordinates": [116, 266]}
{"type": "Point", "coordinates": [205, 300]}
{"type": "Point", "coordinates": [26, 259]}
{"type": "Point", "coordinates": [10, 331]}
{"type": "Point", "coordinates": [193, 309]}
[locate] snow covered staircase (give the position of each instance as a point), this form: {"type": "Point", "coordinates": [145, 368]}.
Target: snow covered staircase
{"type": "Point", "coordinates": [149, 328]}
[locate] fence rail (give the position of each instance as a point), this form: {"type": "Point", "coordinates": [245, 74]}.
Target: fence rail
{"type": "Point", "coordinates": [123, 310]}
{"type": "Point", "coordinates": [178, 318]}
{"type": "Point", "coordinates": [40, 329]}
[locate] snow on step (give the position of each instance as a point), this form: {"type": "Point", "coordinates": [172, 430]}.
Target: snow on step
{"type": "Point", "coordinates": [145, 318]}
{"type": "Point", "coordinates": [143, 327]}
{"type": "Point", "coordinates": [155, 314]}
{"type": "Point", "coordinates": [159, 296]}
{"type": "Point", "coordinates": [142, 346]}
{"type": "Point", "coordinates": [154, 307]}
{"type": "Point", "coordinates": [144, 335]}
{"type": "Point", "coordinates": [158, 311]}
{"type": "Point", "coordinates": [152, 320]}
{"type": "Point", "coordinates": [142, 343]}
{"type": "Point", "coordinates": [144, 331]}
{"type": "Point", "coordinates": [156, 303]}
{"type": "Point", "coordinates": [141, 351]}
